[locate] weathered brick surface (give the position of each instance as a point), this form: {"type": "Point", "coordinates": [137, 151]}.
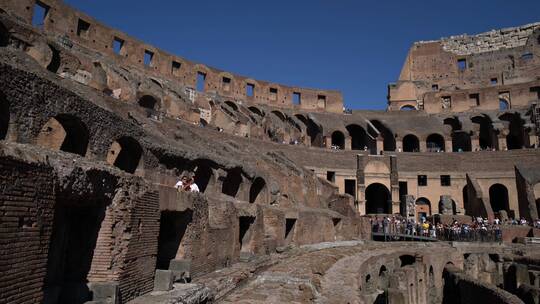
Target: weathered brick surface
{"type": "Point", "coordinates": [26, 214]}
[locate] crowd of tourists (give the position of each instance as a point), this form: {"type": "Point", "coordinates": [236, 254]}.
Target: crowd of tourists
{"type": "Point", "coordinates": [479, 230]}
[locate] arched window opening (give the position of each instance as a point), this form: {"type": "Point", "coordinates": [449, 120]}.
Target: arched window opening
{"type": "Point", "coordinates": [407, 259]}
{"type": "Point", "coordinates": [280, 115]}
{"type": "Point", "coordinates": [378, 199]}
{"type": "Point", "coordinates": [516, 133]}
{"type": "Point", "coordinates": [503, 105]}
{"type": "Point", "coordinates": [125, 154]}
{"type": "Point", "coordinates": [435, 143]}
{"type": "Point", "coordinates": [257, 191]}
{"type": "Point", "coordinates": [148, 102]}
{"type": "Point", "coordinates": [498, 198]}
{"type": "Point", "coordinates": [411, 143]}
{"type": "Point", "coordinates": [407, 108]}
{"type": "Point", "coordinates": [453, 122]}
{"type": "Point", "coordinates": [232, 105]}
{"type": "Point", "coordinates": [389, 140]}
{"type": "Point", "coordinates": [359, 137]}
{"type": "Point", "coordinates": [232, 182]}
{"type": "Point", "coordinates": [338, 140]}
{"type": "Point", "coordinates": [56, 60]}
{"type": "Point", "coordinates": [65, 132]}
{"type": "Point", "coordinates": [203, 173]}
{"type": "Point", "coordinates": [256, 111]}
{"type": "Point", "coordinates": [423, 208]}
{"type": "Point", "coordinates": [461, 142]}
{"type": "Point", "coordinates": [4, 117]}
{"type": "Point", "coordinates": [487, 138]}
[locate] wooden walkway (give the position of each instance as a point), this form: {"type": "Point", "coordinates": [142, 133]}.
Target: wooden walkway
{"type": "Point", "coordinates": [379, 236]}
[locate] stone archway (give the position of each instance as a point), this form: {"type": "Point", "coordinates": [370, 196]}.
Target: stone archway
{"type": "Point", "coordinates": [378, 199]}
{"type": "Point", "coordinates": [125, 154]}
{"type": "Point", "coordinates": [65, 132]}
{"type": "Point", "coordinates": [498, 198]}
{"type": "Point", "coordinates": [435, 143]}
{"type": "Point", "coordinates": [411, 143]}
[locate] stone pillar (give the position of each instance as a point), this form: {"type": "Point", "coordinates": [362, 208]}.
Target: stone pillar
{"type": "Point", "coordinates": [533, 139]}
{"type": "Point", "coordinates": [348, 143]}
{"type": "Point", "coordinates": [475, 143]}
{"type": "Point", "coordinates": [328, 141]}
{"type": "Point", "coordinates": [446, 205]}
{"type": "Point", "coordinates": [502, 142]}
{"type": "Point", "coordinates": [448, 145]}
{"type": "Point", "coordinates": [380, 144]}
{"type": "Point", "coordinates": [423, 145]}
{"type": "Point", "coordinates": [399, 145]}
{"type": "Point", "coordinates": [410, 207]}
{"type": "Point", "coordinates": [361, 193]}
{"type": "Point", "coordinates": [395, 199]}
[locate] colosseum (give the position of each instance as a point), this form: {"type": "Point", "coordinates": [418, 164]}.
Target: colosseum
{"type": "Point", "coordinates": [131, 175]}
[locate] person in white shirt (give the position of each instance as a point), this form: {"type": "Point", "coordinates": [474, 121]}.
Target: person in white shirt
{"type": "Point", "coordinates": [180, 184]}
{"type": "Point", "coordinates": [191, 186]}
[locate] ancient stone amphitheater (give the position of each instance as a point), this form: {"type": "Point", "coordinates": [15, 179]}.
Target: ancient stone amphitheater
{"type": "Point", "coordinates": [97, 127]}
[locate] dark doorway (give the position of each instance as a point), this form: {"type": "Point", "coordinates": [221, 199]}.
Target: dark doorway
{"type": "Point", "coordinates": [498, 198]}
{"type": "Point", "coordinates": [350, 187]}
{"type": "Point", "coordinates": [411, 143]}
{"type": "Point", "coordinates": [378, 199]}
{"type": "Point", "coordinates": [359, 138]}
{"type": "Point", "coordinates": [56, 60]}
{"type": "Point", "coordinates": [461, 142]}
{"type": "Point", "coordinates": [4, 117]}
{"type": "Point", "coordinates": [245, 224]}
{"type": "Point", "coordinates": [338, 140]}
{"type": "Point", "coordinates": [389, 141]}
{"type": "Point", "coordinates": [232, 182]}
{"type": "Point", "coordinates": [71, 250]}
{"type": "Point", "coordinates": [435, 143]}
{"type": "Point", "coordinates": [466, 204]}
{"type": "Point", "coordinates": [289, 230]}
{"type": "Point", "coordinates": [74, 131]}
{"type": "Point", "coordinates": [257, 192]}
{"type": "Point", "coordinates": [406, 260]}
{"type": "Point", "coordinates": [148, 102]}
{"type": "Point", "coordinates": [516, 135]}
{"type": "Point", "coordinates": [203, 174]}
{"type": "Point", "coordinates": [129, 156]}
{"type": "Point", "coordinates": [172, 228]}
{"type": "Point", "coordinates": [487, 138]}
{"type": "Point", "coordinates": [4, 36]}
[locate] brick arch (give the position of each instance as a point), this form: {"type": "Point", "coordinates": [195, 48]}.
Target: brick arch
{"type": "Point", "coordinates": [435, 142]}
{"type": "Point", "coordinates": [65, 132]}
{"type": "Point", "coordinates": [126, 154]}
{"type": "Point", "coordinates": [148, 101]}
{"type": "Point", "coordinates": [408, 107]}
{"type": "Point", "coordinates": [338, 139]}
{"type": "Point", "coordinates": [411, 143]}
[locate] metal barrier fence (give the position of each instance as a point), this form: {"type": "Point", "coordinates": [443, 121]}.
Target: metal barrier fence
{"type": "Point", "coordinates": [463, 233]}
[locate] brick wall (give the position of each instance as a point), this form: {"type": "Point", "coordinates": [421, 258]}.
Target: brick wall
{"type": "Point", "coordinates": [26, 213]}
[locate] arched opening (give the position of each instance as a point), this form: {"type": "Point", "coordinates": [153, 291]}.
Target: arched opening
{"type": "Point", "coordinates": [411, 143]}
{"type": "Point", "coordinates": [125, 154]}
{"type": "Point", "coordinates": [453, 122]}
{"type": "Point", "coordinates": [65, 132]}
{"type": "Point", "coordinates": [389, 141]}
{"type": "Point", "coordinates": [503, 105]}
{"type": "Point", "coordinates": [231, 183]}
{"type": "Point", "coordinates": [232, 105]}
{"type": "Point", "coordinates": [407, 108]}
{"type": "Point", "coordinates": [498, 198]}
{"type": "Point", "coordinates": [378, 199]}
{"type": "Point", "coordinates": [383, 271]}
{"type": "Point", "coordinates": [406, 260]}
{"type": "Point", "coordinates": [423, 208]}
{"type": "Point", "coordinates": [338, 140]}
{"type": "Point", "coordinates": [75, 230]}
{"type": "Point", "coordinates": [315, 132]}
{"type": "Point", "coordinates": [487, 136]}
{"type": "Point", "coordinates": [4, 117]}
{"type": "Point", "coordinates": [461, 141]}
{"type": "Point", "coordinates": [203, 122]}
{"type": "Point", "coordinates": [4, 36]}
{"type": "Point", "coordinates": [148, 102]}
{"type": "Point", "coordinates": [56, 60]}
{"type": "Point", "coordinates": [257, 191]}
{"type": "Point", "coordinates": [435, 143]}
{"type": "Point", "coordinates": [280, 115]}
{"type": "Point", "coordinates": [256, 111]}
{"type": "Point", "coordinates": [516, 132]}
{"type": "Point", "coordinates": [359, 137]}
{"type": "Point", "coordinates": [203, 173]}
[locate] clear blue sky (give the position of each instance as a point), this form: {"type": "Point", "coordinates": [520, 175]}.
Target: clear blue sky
{"type": "Point", "coordinates": [354, 46]}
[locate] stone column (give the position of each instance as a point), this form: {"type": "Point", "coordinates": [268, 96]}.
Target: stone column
{"type": "Point", "coordinates": [475, 143]}
{"type": "Point", "coordinates": [399, 145]}
{"type": "Point", "coordinates": [395, 199]}
{"type": "Point", "coordinates": [328, 141]}
{"type": "Point", "coordinates": [348, 143]}
{"type": "Point", "coordinates": [380, 144]}
{"type": "Point", "coordinates": [502, 142]}
{"type": "Point", "coordinates": [448, 144]}
{"type": "Point", "coordinates": [423, 145]}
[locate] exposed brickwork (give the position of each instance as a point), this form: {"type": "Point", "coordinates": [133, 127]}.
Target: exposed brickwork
{"type": "Point", "coordinates": [26, 214]}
